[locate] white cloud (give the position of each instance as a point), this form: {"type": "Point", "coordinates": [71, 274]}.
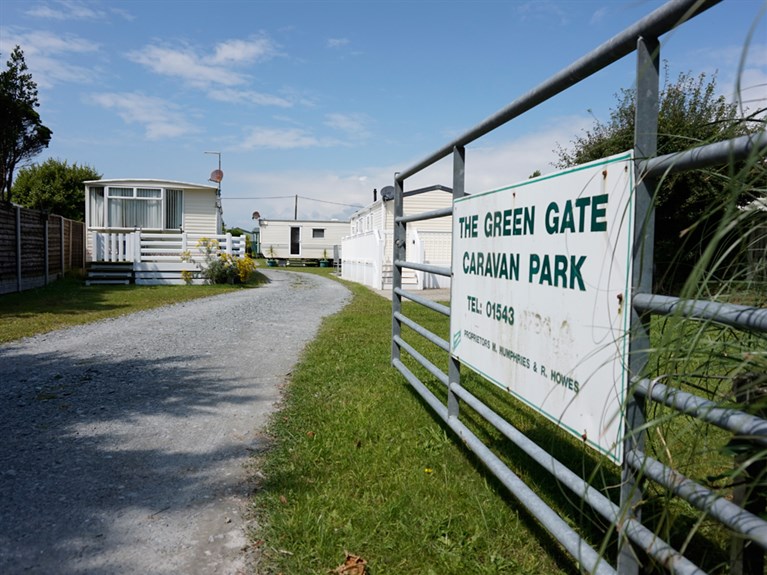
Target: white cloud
{"type": "Point", "coordinates": [352, 125]}
{"type": "Point", "coordinates": [338, 42]}
{"type": "Point", "coordinates": [48, 72]}
{"type": "Point", "coordinates": [487, 168]}
{"type": "Point", "coordinates": [741, 72]}
{"type": "Point", "coordinates": [243, 51]}
{"type": "Point", "coordinates": [66, 10]}
{"type": "Point", "coordinates": [752, 89]}
{"type": "Point", "coordinates": [46, 55]}
{"type": "Point", "coordinates": [282, 139]}
{"type": "Point", "coordinates": [599, 15]}
{"type": "Point", "coordinates": [124, 14]}
{"type": "Point", "coordinates": [542, 9]}
{"type": "Point", "coordinates": [159, 118]}
{"type": "Point", "coordinates": [187, 65]}
{"type": "Point", "coordinates": [321, 186]}
{"type": "Point", "coordinates": [47, 43]}
{"type": "Point", "coordinates": [235, 96]}
{"type": "Point", "coordinates": [492, 166]}
{"type": "Point", "coordinates": [218, 73]}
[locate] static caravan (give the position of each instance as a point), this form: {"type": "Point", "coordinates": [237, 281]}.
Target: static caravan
{"type": "Point", "coordinates": [367, 251]}
{"type": "Point", "coordinates": [157, 206]}
{"type": "Point", "coordinates": [301, 239]}
{"type": "Point", "coordinates": [150, 231]}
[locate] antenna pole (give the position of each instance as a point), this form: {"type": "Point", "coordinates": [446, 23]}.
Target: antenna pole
{"type": "Point", "coordinates": [295, 209]}
{"type": "Point", "coordinates": [219, 169]}
{"type": "Point", "coordinates": [218, 176]}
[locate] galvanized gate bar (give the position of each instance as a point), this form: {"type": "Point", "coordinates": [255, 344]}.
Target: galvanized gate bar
{"type": "Point", "coordinates": [427, 215]}
{"type": "Point", "coordinates": [718, 153]}
{"type": "Point", "coordinates": [438, 307]}
{"type": "Point", "coordinates": [432, 369]}
{"type": "Point", "coordinates": [736, 421]}
{"type": "Point", "coordinates": [712, 503]}
{"type": "Point", "coordinates": [654, 25]}
{"type": "Point", "coordinates": [632, 528]}
{"type": "Point", "coordinates": [426, 189]}
{"type": "Point", "coordinates": [437, 270]}
{"type": "Point", "coordinates": [398, 248]}
{"type": "Point", "coordinates": [645, 145]}
{"type": "Point", "coordinates": [559, 529]}
{"type": "Point", "coordinates": [453, 364]}
{"type": "Point", "coordinates": [587, 557]}
{"type": "Point", "coordinates": [741, 316]}
{"type": "Point", "coordinates": [425, 333]}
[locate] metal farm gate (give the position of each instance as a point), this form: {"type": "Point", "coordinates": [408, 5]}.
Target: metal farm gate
{"type": "Point", "coordinates": [634, 544]}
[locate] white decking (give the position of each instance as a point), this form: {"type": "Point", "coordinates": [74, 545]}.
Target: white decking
{"type": "Point", "coordinates": [154, 258]}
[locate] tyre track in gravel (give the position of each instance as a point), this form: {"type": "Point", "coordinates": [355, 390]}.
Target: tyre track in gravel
{"type": "Point", "coordinates": [124, 442]}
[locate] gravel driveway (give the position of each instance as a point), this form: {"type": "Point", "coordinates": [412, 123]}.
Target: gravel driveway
{"type": "Point", "coordinates": [124, 441]}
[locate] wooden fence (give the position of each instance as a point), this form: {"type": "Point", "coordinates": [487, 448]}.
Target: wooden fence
{"type": "Point", "coordinates": [37, 248]}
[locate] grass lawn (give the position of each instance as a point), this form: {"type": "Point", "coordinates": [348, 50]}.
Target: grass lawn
{"type": "Point", "coordinates": [359, 464]}
{"type": "Point", "coordinates": [69, 302]}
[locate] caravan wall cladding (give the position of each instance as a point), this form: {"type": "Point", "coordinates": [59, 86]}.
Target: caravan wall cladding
{"type": "Point", "coordinates": [301, 239]}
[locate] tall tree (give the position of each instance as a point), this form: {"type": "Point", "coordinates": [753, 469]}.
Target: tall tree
{"type": "Point", "coordinates": [689, 204]}
{"type": "Point", "coordinates": [54, 186]}
{"type": "Point", "coordinates": [22, 134]}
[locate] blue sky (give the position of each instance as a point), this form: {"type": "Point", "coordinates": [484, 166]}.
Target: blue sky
{"type": "Point", "coordinates": [327, 99]}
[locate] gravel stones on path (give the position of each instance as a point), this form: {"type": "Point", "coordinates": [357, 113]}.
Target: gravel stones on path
{"type": "Point", "coordinates": [124, 442]}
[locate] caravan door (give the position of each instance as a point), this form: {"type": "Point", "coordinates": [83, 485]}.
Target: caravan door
{"type": "Point", "coordinates": [295, 241]}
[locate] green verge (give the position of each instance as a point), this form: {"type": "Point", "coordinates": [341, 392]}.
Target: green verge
{"type": "Point", "coordinates": [358, 464]}
{"type": "Point", "coordinates": [69, 302]}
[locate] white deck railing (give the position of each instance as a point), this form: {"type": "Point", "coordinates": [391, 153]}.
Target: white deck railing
{"type": "Point", "coordinates": [141, 246]}
{"type": "Point", "coordinates": [363, 258]}
{"type": "Point", "coordinates": [367, 257]}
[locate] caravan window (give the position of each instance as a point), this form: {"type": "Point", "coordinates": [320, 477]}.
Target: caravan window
{"type": "Point", "coordinates": [134, 208]}
{"type": "Point", "coordinates": [174, 217]}
{"type": "Point", "coordinates": [318, 233]}
{"type": "Point", "coordinates": [129, 207]}
{"type": "Point", "coordinates": [96, 206]}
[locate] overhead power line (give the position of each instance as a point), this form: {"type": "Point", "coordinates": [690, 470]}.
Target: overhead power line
{"type": "Point", "coordinates": [328, 202]}
{"type": "Point", "coordinates": [294, 197]}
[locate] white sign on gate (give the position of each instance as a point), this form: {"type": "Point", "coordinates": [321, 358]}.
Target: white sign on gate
{"type": "Point", "coordinates": [541, 292]}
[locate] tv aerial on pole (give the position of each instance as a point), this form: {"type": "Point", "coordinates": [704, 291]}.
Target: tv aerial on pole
{"type": "Point", "coordinates": [216, 175]}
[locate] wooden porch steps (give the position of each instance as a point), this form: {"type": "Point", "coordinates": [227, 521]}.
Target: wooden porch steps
{"type": "Point", "coordinates": [143, 273]}
{"type": "Point", "coordinates": [166, 273]}
{"type": "Point", "coordinates": [108, 273]}
{"type": "Point", "coordinates": [409, 277]}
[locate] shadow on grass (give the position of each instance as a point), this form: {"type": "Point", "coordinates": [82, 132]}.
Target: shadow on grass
{"type": "Point", "coordinates": [67, 296]}
{"type": "Point", "coordinates": [69, 302]}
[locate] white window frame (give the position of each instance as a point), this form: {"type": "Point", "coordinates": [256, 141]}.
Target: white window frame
{"type": "Point", "coordinates": [135, 191]}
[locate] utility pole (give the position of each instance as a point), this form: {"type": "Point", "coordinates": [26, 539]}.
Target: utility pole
{"type": "Point", "coordinates": [295, 209]}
